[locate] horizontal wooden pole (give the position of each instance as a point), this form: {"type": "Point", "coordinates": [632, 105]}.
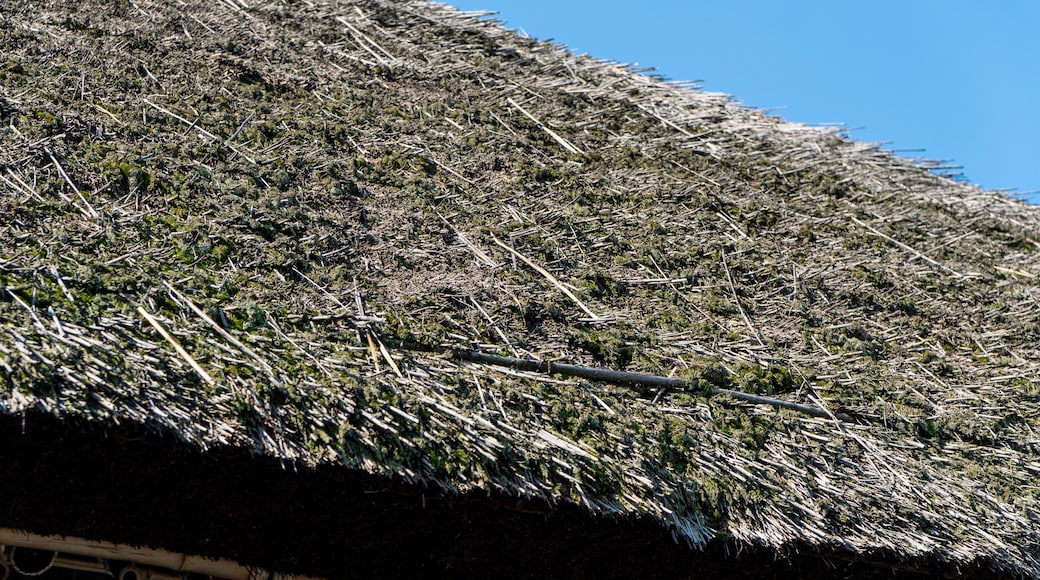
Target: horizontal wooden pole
{"type": "Point", "coordinates": [634, 379]}
{"type": "Point", "coordinates": [222, 569]}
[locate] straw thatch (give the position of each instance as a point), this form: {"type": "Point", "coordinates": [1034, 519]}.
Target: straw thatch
{"type": "Point", "coordinates": [275, 226]}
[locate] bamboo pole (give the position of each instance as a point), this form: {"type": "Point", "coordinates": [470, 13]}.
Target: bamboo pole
{"type": "Point", "coordinates": [635, 379]}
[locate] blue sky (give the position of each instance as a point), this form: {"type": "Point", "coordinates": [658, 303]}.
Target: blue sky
{"type": "Point", "coordinates": [960, 80]}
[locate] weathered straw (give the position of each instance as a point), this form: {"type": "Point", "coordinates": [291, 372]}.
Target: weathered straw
{"type": "Point", "coordinates": [324, 188]}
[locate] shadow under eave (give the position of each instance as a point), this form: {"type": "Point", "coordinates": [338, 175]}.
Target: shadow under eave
{"type": "Point", "coordinates": [130, 486]}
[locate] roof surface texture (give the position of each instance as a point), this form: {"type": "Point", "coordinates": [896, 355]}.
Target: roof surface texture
{"type": "Point", "coordinates": [263, 241]}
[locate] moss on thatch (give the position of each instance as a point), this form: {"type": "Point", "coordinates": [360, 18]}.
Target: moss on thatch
{"type": "Point", "coordinates": [266, 227]}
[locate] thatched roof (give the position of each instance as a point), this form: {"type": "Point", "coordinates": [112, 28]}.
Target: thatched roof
{"type": "Point", "coordinates": [242, 246]}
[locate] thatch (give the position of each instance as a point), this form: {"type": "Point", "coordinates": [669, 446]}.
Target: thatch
{"type": "Point", "coordinates": [270, 227]}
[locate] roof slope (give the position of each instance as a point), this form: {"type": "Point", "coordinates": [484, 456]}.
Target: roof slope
{"type": "Point", "coordinates": [271, 233]}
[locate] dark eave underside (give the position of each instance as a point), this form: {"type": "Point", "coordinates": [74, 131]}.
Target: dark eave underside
{"type": "Point", "coordinates": [134, 488]}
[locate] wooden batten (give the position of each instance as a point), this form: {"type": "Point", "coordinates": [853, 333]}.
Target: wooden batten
{"type": "Point", "coordinates": [67, 545]}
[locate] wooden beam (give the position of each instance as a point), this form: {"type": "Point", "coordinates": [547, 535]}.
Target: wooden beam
{"type": "Point", "coordinates": [222, 569]}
